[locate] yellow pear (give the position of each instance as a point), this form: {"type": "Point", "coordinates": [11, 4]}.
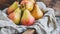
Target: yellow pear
{"type": "Point", "coordinates": [12, 7]}
{"type": "Point", "coordinates": [15, 16]}
{"type": "Point", "coordinates": [27, 4]}
{"type": "Point", "coordinates": [37, 13]}
{"type": "Point", "coordinates": [32, 1]}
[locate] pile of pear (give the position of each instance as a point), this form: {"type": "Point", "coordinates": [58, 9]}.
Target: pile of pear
{"type": "Point", "coordinates": [24, 13]}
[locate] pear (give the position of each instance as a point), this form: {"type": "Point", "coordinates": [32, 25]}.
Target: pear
{"type": "Point", "coordinates": [12, 7]}
{"type": "Point", "coordinates": [27, 4]}
{"type": "Point", "coordinates": [36, 12]}
{"type": "Point", "coordinates": [32, 1]}
{"type": "Point", "coordinates": [15, 16]}
{"type": "Point", "coordinates": [27, 18]}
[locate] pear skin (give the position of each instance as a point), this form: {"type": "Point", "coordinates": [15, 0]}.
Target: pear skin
{"type": "Point", "coordinates": [28, 5]}
{"type": "Point", "coordinates": [15, 16]}
{"type": "Point", "coordinates": [12, 7]}
{"type": "Point", "coordinates": [36, 12]}
{"type": "Point", "coordinates": [30, 0]}
{"type": "Point", "coordinates": [27, 18]}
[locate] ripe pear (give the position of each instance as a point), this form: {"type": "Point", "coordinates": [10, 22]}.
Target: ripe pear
{"type": "Point", "coordinates": [12, 7]}
{"type": "Point", "coordinates": [15, 16]}
{"type": "Point", "coordinates": [36, 12]}
{"type": "Point", "coordinates": [30, 0]}
{"type": "Point", "coordinates": [27, 18]}
{"type": "Point", "coordinates": [28, 5]}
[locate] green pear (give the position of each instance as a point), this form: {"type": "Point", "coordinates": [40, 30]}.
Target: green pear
{"type": "Point", "coordinates": [27, 18]}
{"type": "Point", "coordinates": [13, 7]}
{"type": "Point", "coordinates": [15, 16]}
